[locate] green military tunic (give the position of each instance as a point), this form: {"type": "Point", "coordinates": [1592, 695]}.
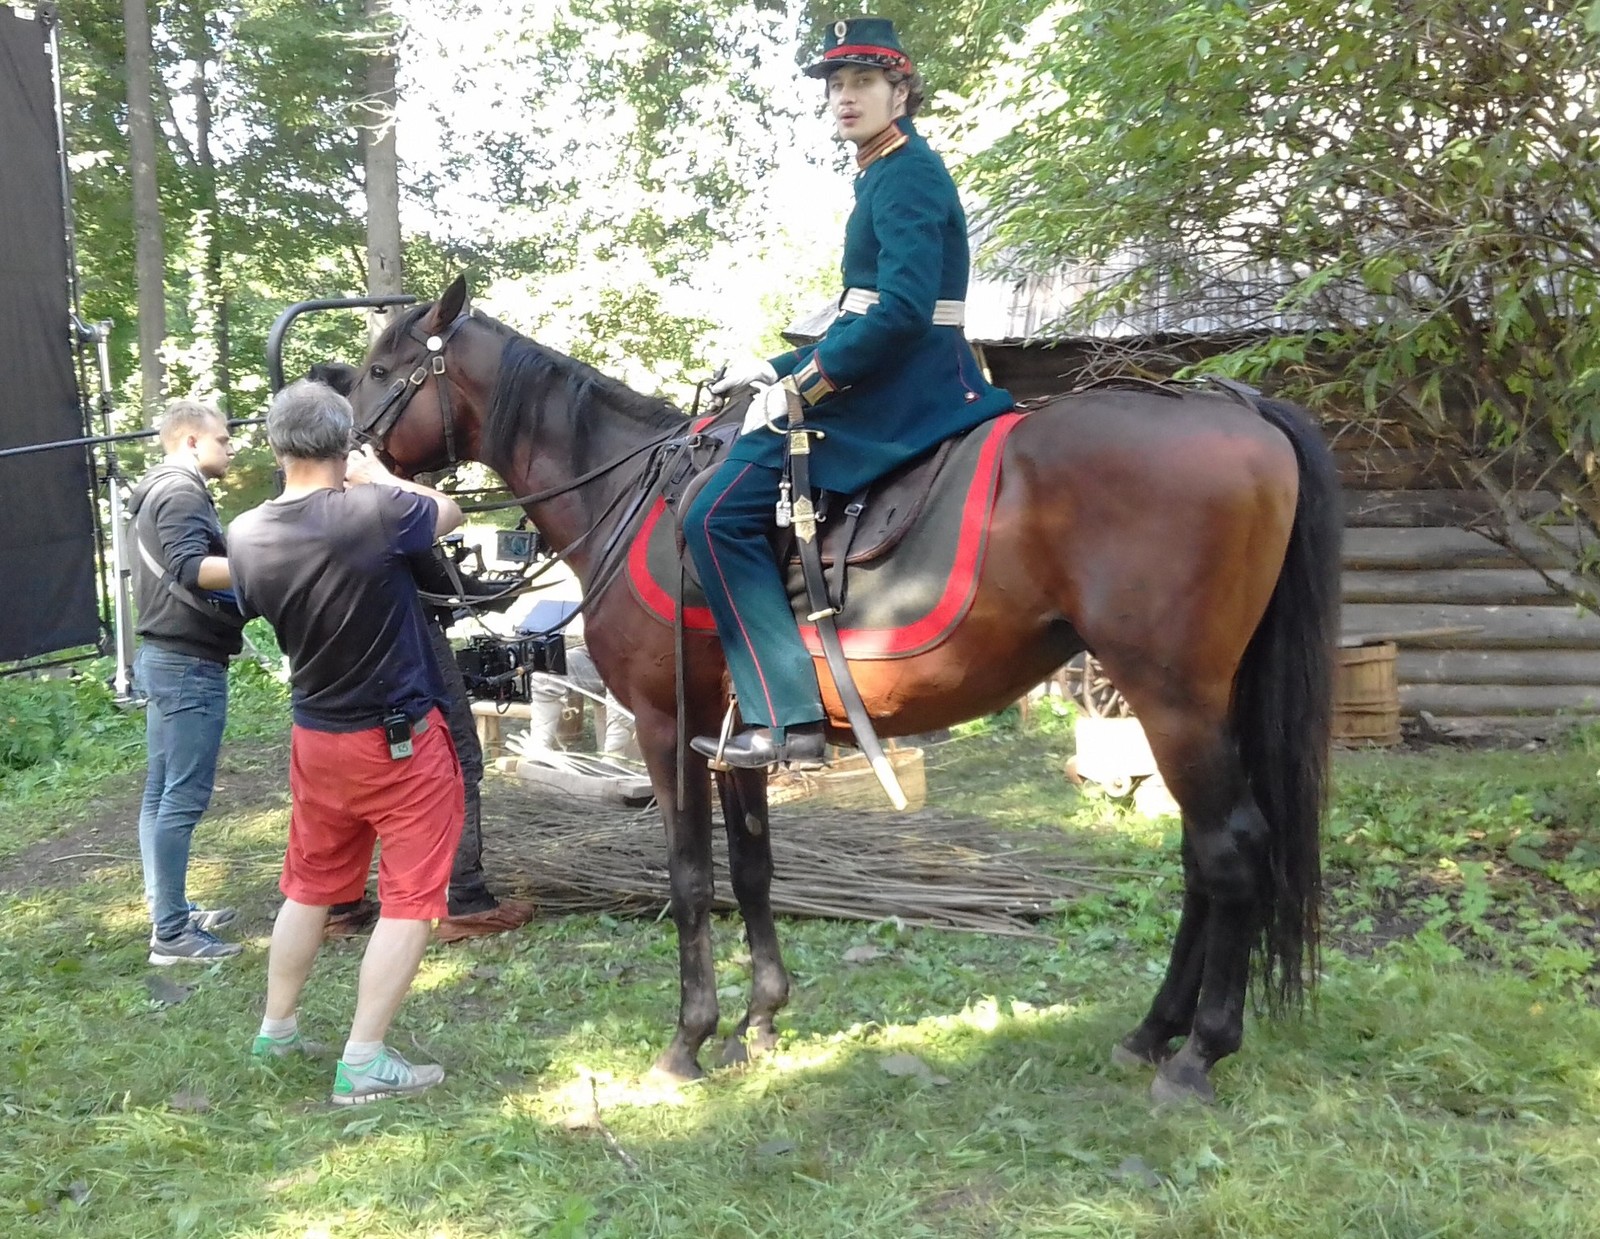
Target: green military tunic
{"type": "Point", "coordinates": [888, 384]}
{"type": "Point", "coordinates": [885, 384]}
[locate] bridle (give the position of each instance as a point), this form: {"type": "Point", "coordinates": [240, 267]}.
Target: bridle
{"type": "Point", "coordinates": [378, 427]}
{"type": "Point", "coordinates": [662, 454]}
{"type": "Point", "coordinates": [386, 416]}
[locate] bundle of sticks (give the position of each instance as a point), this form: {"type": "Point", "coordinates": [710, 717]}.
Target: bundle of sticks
{"type": "Point", "coordinates": [924, 868]}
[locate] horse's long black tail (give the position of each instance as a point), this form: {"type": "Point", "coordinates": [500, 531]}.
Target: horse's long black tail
{"type": "Point", "coordinates": [1283, 712]}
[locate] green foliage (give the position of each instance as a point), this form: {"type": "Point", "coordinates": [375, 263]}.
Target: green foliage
{"type": "Point", "coordinates": [63, 720]}
{"type": "Point", "coordinates": [1404, 193]}
{"type": "Point", "coordinates": [258, 695]}
{"type": "Point", "coordinates": [583, 161]}
{"type": "Point", "coordinates": [258, 173]}
{"type": "Point", "coordinates": [608, 212]}
{"type": "Point", "coordinates": [61, 738]}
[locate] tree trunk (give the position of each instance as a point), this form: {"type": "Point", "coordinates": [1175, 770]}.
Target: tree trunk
{"type": "Point", "coordinates": [213, 290]}
{"type": "Point", "coordinates": [149, 252]}
{"type": "Point", "coordinates": [376, 117]}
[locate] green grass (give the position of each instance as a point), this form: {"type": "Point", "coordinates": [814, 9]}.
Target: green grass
{"type": "Point", "coordinates": [1445, 1082]}
{"type": "Point", "coordinates": [65, 745]}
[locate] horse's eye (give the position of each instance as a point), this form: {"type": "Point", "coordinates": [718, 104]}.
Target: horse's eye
{"type": "Point", "coordinates": [379, 372]}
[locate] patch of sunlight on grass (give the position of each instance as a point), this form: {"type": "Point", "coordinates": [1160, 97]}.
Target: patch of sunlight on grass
{"type": "Point", "coordinates": [591, 1091]}
{"type": "Point", "coordinates": [124, 919]}
{"type": "Point", "coordinates": [266, 827]}
{"type": "Point", "coordinates": [438, 970]}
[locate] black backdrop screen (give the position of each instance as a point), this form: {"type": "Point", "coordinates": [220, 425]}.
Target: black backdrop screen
{"type": "Point", "coordinates": [47, 535]}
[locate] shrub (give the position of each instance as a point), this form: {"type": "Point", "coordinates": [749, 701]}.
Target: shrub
{"type": "Point", "coordinates": [61, 720]}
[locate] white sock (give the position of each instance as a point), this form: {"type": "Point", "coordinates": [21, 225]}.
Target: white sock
{"type": "Point", "coordinates": [281, 1030]}
{"type": "Point", "coordinates": [361, 1053]}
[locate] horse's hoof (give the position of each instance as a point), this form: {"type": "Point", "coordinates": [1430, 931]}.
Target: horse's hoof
{"type": "Point", "coordinates": [741, 1048]}
{"type": "Point", "coordinates": [1181, 1085]}
{"type": "Point", "coordinates": [670, 1072]}
{"type": "Point", "coordinates": [1137, 1051]}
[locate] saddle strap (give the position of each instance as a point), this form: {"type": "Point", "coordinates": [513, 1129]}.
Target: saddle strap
{"type": "Point", "coordinates": [680, 691]}
{"type": "Point", "coordinates": [847, 538]}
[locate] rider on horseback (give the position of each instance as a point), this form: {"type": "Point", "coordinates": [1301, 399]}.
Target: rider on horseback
{"type": "Point", "coordinates": [893, 376]}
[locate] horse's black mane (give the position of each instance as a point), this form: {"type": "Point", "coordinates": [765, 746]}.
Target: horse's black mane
{"type": "Point", "coordinates": [389, 339]}
{"type": "Point", "coordinates": [536, 383]}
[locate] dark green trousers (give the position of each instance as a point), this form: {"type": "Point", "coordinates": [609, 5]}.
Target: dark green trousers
{"type": "Point", "coordinates": [728, 529]}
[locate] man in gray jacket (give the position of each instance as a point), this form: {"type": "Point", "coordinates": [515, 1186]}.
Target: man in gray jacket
{"type": "Point", "coordinates": [189, 626]}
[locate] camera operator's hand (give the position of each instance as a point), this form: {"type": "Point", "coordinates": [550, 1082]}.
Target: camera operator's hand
{"type": "Point", "coordinates": [362, 467]}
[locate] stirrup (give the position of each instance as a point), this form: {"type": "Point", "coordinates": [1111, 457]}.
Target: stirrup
{"type": "Point", "coordinates": [719, 763]}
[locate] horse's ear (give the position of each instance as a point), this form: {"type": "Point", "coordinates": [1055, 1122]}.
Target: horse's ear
{"type": "Point", "coordinates": [452, 301]}
{"type": "Point", "coordinates": [338, 375]}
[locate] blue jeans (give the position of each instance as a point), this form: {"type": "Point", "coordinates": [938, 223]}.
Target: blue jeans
{"type": "Point", "coordinates": [187, 707]}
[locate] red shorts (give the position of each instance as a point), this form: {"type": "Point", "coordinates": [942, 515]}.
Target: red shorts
{"type": "Point", "coordinates": [347, 792]}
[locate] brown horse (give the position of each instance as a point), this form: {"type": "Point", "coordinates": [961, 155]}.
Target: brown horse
{"type": "Point", "coordinates": [1191, 543]}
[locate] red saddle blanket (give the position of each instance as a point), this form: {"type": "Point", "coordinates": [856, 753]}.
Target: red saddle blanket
{"type": "Point", "coordinates": [901, 603]}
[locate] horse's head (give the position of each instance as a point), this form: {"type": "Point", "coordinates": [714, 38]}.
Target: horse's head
{"type": "Point", "coordinates": [420, 396]}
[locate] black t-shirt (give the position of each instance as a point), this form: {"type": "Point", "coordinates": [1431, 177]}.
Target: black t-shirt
{"type": "Point", "coordinates": [329, 572]}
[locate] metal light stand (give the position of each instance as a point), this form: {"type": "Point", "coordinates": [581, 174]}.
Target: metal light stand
{"type": "Point", "coordinates": [99, 334]}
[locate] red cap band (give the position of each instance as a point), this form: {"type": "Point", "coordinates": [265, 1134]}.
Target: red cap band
{"type": "Point", "coordinates": [845, 51]}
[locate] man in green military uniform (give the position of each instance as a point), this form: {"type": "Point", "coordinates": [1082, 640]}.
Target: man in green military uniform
{"type": "Point", "coordinates": [892, 377]}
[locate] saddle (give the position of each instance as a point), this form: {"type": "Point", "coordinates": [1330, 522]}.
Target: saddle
{"type": "Point", "coordinates": [853, 529]}
{"type": "Point", "coordinates": [913, 542]}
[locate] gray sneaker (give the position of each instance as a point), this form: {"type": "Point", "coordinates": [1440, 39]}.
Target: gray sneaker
{"type": "Point", "coordinates": [211, 919]}
{"type": "Point", "coordinates": [191, 946]}
{"type": "Point", "coordinates": [388, 1075]}
{"type": "Point", "coordinates": [208, 919]}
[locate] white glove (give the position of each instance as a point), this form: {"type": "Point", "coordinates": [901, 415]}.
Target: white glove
{"type": "Point", "coordinates": [770, 406]}
{"type": "Point", "coordinates": [742, 372]}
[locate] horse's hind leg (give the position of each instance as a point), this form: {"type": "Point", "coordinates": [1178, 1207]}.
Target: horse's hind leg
{"type": "Point", "coordinates": [1172, 1012]}
{"type": "Point", "coordinates": [1226, 872]}
{"type": "Point", "coordinates": [1231, 854]}
{"type": "Point", "coordinates": [744, 810]}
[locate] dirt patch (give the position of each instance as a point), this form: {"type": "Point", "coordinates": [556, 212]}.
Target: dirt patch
{"type": "Point", "coordinates": [251, 775]}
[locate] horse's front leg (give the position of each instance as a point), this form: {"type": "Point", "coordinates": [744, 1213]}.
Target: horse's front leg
{"type": "Point", "coordinates": [690, 873]}
{"type": "Point", "coordinates": [744, 811]}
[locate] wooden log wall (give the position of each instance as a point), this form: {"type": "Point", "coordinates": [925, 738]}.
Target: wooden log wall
{"type": "Point", "coordinates": [1411, 565]}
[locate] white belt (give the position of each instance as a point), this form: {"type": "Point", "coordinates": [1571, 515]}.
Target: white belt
{"type": "Point", "coordinates": [945, 313]}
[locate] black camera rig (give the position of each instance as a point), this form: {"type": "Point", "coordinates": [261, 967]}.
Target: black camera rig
{"type": "Point", "coordinates": [500, 669]}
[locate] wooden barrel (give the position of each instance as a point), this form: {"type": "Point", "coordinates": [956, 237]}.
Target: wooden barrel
{"type": "Point", "coordinates": [1366, 696]}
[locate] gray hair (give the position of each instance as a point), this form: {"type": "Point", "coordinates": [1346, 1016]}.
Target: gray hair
{"type": "Point", "coordinates": [184, 417]}
{"type": "Point", "coordinates": [309, 421]}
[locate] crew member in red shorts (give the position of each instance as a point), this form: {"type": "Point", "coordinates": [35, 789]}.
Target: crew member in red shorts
{"type": "Point", "coordinates": [371, 758]}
